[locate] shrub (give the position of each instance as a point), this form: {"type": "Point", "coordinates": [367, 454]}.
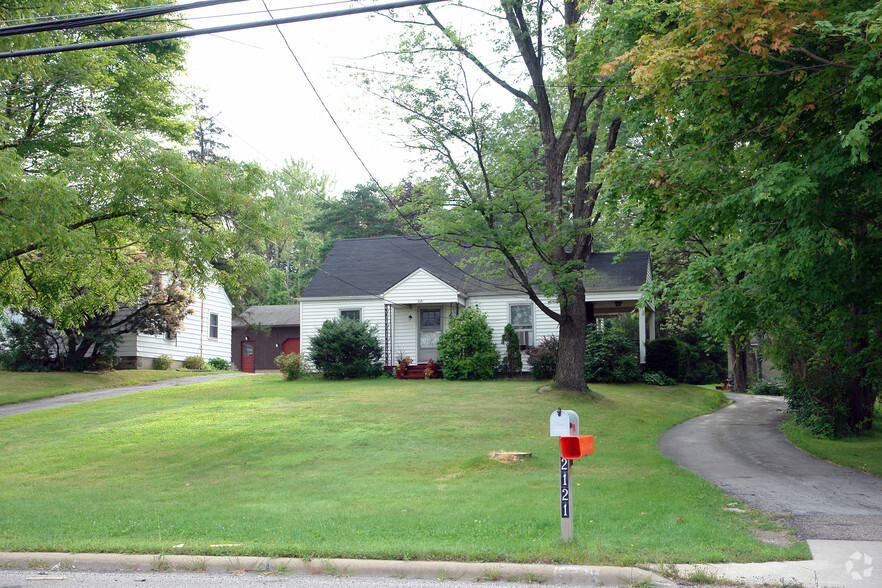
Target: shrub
{"type": "Point", "coordinates": [611, 356]}
{"type": "Point", "coordinates": [194, 362]}
{"type": "Point", "coordinates": [290, 364]}
{"type": "Point", "coordinates": [345, 348]}
{"type": "Point", "coordinates": [219, 363]}
{"type": "Point", "coordinates": [766, 388]}
{"type": "Point", "coordinates": [543, 358]}
{"type": "Point", "coordinates": [511, 363]}
{"type": "Point", "coordinates": [162, 362]}
{"type": "Point", "coordinates": [658, 379]}
{"type": "Point", "coordinates": [669, 356]}
{"type": "Point", "coordinates": [466, 349]}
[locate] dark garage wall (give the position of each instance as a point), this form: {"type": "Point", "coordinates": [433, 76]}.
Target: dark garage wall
{"type": "Point", "coordinates": [266, 347]}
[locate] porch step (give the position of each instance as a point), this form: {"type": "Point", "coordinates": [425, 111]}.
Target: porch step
{"type": "Point", "coordinates": [418, 372]}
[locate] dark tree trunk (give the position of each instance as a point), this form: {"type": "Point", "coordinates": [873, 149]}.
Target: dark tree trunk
{"type": "Point", "coordinates": [738, 358]}
{"type": "Point", "coordinates": [571, 342]}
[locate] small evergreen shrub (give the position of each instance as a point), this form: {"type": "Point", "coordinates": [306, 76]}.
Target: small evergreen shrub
{"type": "Point", "coordinates": [611, 356]}
{"type": "Point", "coordinates": [219, 363]}
{"type": "Point", "coordinates": [543, 358]}
{"type": "Point", "coordinates": [466, 349]}
{"type": "Point", "coordinates": [658, 379]}
{"type": "Point", "coordinates": [512, 363]}
{"type": "Point", "coordinates": [162, 362]}
{"type": "Point", "coordinates": [194, 362]}
{"type": "Point", "coordinates": [665, 355]}
{"type": "Point", "coordinates": [290, 364]}
{"type": "Point", "coordinates": [344, 348]}
{"type": "Point", "coordinates": [766, 388]}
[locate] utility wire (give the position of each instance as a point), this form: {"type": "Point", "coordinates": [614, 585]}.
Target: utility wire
{"type": "Point", "coordinates": [218, 29]}
{"type": "Point", "coordinates": [124, 15]}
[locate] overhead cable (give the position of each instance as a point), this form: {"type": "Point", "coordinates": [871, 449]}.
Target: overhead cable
{"type": "Point", "coordinates": [96, 19]}
{"type": "Point", "coordinates": [218, 29]}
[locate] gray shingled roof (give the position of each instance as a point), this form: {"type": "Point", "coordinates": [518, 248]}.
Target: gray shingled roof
{"type": "Point", "coordinates": [278, 315]}
{"type": "Point", "coordinates": [359, 267]}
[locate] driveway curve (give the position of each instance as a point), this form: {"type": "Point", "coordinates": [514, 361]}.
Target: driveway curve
{"type": "Point", "coordinates": [78, 397]}
{"type": "Point", "coordinates": [740, 449]}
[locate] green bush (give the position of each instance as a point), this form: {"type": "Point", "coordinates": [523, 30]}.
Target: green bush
{"type": "Point", "coordinates": [543, 358]}
{"type": "Point", "coordinates": [219, 363]}
{"type": "Point", "coordinates": [511, 363]}
{"type": "Point", "coordinates": [666, 355]}
{"type": "Point", "coordinates": [466, 349]}
{"type": "Point", "coordinates": [766, 388]}
{"type": "Point", "coordinates": [658, 379]}
{"type": "Point", "coordinates": [194, 362]}
{"type": "Point", "coordinates": [344, 348]}
{"type": "Point", "coordinates": [162, 362]}
{"type": "Point", "coordinates": [611, 356]}
{"type": "Point", "coordinates": [290, 364]}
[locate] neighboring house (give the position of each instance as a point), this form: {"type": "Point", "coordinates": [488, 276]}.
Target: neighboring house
{"type": "Point", "coordinates": [262, 333]}
{"type": "Point", "coordinates": [410, 292]}
{"type": "Point", "coordinates": [205, 332]}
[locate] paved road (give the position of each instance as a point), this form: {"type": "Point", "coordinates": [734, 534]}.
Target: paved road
{"type": "Point", "coordinates": [740, 449]}
{"type": "Point", "coordinates": [77, 397]}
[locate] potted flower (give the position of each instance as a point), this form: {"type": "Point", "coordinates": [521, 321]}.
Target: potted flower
{"type": "Point", "coordinates": [401, 369]}
{"type": "Point", "coordinates": [431, 369]}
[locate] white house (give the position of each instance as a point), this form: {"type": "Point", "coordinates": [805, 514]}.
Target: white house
{"type": "Point", "coordinates": [410, 292]}
{"type": "Point", "coordinates": [206, 332]}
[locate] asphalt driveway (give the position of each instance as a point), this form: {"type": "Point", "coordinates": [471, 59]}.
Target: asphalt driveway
{"type": "Point", "coordinates": [740, 449]}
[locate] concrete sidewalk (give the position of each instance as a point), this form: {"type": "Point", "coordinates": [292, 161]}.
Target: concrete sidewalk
{"type": "Point", "coordinates": [835, 564]}
{"type": "Point", "coordinates": [78, 397]}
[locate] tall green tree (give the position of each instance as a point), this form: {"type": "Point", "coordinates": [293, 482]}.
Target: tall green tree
{"type": "Point", "coordinates": [764, 145]}
{"type": "Point", "coordinates": [518, 188]}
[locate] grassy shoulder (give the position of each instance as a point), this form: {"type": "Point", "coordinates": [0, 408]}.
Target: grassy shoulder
{"type": "Point", "coordinates": [388, 469]}
{"type": "Point", "coordinates": [863, 452]}
{"type": "Point", "coordinates": [23, 386]}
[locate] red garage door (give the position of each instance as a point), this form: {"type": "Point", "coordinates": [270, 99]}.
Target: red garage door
{"type": "Point", "coordinates": [248, 356]}
{"type": "Point", "coordinates": [291, 346]}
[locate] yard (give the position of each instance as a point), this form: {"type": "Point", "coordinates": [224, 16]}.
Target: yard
{"type": "Point", "coordinates": [364, 469]}
{"type": "Point", "coordinates": [22, 386]}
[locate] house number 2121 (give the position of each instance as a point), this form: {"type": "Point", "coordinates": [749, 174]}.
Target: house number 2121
{"type": "Point", "coordinates": [564, 488]}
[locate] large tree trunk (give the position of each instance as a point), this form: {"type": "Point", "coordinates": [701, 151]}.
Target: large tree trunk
{"type": "Point", "coordinates": [738, 360]}
{"type": "Point", "coordinates": [571, 342]}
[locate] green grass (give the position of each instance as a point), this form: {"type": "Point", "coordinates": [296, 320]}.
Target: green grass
{"type": "Point", "coordinates": [23, 386]}
{"type": "Point", "coordinates": [863, 452]}
{"type": "Point", "coordinates": [389, 469]}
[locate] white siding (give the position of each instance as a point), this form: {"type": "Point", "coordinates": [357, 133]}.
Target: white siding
{"type": "Point", "coordinates": [405, 333]}
{"type": "Point", "coordinates": [421, 287]}
{"type": "Point", "coordinates": [313, 313]}
{"type": "Point", "coordinates": [193, 337]}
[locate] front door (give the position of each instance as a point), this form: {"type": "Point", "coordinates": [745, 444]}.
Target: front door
{"type": "Point", "coordinates": [248, 356]}
{"type": "Point", "coordinates": [430, 330]}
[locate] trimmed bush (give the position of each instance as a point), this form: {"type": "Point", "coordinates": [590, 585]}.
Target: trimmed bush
{"type": "Point", "coordinates": [290, 364]}
{"type": "Point", "coordinates": [767, 388]}
{"type": "Point", "coordinates": [658, 379]}
{"type": "Point", "coordinates": [219, 363]}
{"type": "Point", "coordinates": [666, 355]}
{"type": "Point", "coordinates": [466, 349]}
{"type": "Point", "coordinates": [611, 356]}
{"type": "Point", "coordinates": [511, 363]}
{"type": "Point", "coordinates": [194, 362]}
{"type": "Point", "coordinates": [543, 358]}
{"type": "Point", "coordinates": [163, 362]}
{"type": "Point", "coordinates": [344, 348]}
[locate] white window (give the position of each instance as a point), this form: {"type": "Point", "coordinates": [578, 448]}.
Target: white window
{"type": "Point", "coordinates": [521, 318]}
{"type": "Point", "coordinates": [351, 313]}
{"type": "Point", "coordinates": [213, 321]}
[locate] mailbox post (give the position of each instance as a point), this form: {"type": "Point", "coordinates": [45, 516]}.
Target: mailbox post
{"type": "Point", "coordinates": [565, 424]}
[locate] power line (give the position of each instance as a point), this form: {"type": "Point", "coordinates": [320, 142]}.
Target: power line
{"type": "Point", "coordinates": [218, 29]}
{"type": "Point", "coordinates": [104, 18]}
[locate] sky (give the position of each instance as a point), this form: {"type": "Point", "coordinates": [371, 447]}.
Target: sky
{"type": "Point", "coordinates": [254, 88]}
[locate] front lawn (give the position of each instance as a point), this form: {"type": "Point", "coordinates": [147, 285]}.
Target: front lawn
{"type": "Point", "coordinates": [22, 386]}
{"type": "Point", "coordinates": [385, 468]}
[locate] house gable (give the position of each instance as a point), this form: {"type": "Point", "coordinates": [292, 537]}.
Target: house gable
{"type": "Point", "coordinates": [422, 287]}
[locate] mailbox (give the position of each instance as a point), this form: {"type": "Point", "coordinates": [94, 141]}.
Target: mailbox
{"type": "Point", "coordinates": [564, 423]}
{"type": "Point", "coordinates": [576, 446]}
